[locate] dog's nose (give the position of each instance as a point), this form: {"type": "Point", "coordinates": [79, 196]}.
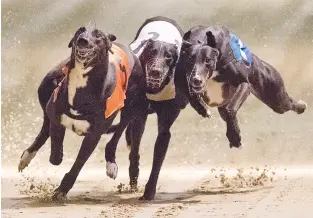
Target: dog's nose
{"type": "Point", "coordinates": [155, 74]}
{"type": "Point", "coordinates": [82, 42]}
{"type": "Point", "coordinates": [196, 81]}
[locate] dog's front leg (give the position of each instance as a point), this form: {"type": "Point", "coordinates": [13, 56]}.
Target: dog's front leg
{"type": "Point", "coordinates": [110, 148]}
{"type": "Point", "coordinates": [166, 117]}
{"type": "Point", "coordinates": [204, 112]}
{"type": "Point", "coordinates": [89, 144]}
{"type": "Point", "coordinates": [57, 133]}
{"type": "Point", "coordinates": [137, 128]}
{"type": "Point", "coordinates": [229, 114]}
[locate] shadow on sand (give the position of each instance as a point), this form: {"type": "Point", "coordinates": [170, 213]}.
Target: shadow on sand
{"type": "Point", "coordinates": [101, 198]}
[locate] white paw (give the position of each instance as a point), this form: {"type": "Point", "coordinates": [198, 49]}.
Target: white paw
{"type": "Point", "coordinates": [208, 113]}
{"type": "Point", "coordinates": [112, 170]}
{"type": "Point", "coordinates": [25, 160]}
{"type": "Point", "coordinates": [303, 103]}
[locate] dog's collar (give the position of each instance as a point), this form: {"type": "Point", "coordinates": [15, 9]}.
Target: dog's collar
{"type": "Point", "coordinates": [56, 90]}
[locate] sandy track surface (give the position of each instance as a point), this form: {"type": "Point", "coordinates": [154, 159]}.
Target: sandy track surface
{"type": "Point", "coordinates": [192, 183]}
{"type": "Point", "coordinates": [183, 192]}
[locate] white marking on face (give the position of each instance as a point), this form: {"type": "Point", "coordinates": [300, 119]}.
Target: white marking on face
{"type": "Point", "coordinates": [80, 126]}
{"type": "Point", "coordinates": [25, 160]}
{"type": "Point", "coordinates": [77, 79]}
{"type": "Point", "coordinates": [214, 90]}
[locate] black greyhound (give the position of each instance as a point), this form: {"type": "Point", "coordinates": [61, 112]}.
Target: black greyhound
{"type": "Point", "coordinates": [90, 92]}
{"type": "Point", "coordinates": [217, 69]}
{"type": "Point", "coordinates": [157, 45]}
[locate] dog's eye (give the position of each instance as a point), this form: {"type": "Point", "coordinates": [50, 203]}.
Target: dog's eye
{"type": "Point", "coordinates": [168, 56]}
{"type": "Point", "coordinates": [209, 61]}
{"type": "Point", "coordinates": [98, 35]}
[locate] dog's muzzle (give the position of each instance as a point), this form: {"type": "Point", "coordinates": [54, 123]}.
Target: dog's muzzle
{"type": "Point", "coordinates": [197, 84]}
{"type": "Point", "coordinates": [84, 51]}
{"type": "Point", "coordinates": [155, 73]}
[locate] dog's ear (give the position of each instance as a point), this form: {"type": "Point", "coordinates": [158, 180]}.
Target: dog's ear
{"type": "Point", "coordinates": [186, 44]}
{"type": "Point", "coordinates": [210, 39]}
{"type": "Point", "coordinates": [76, 35]}
{"type": "Point", "coordinates": [111, 37]}
{"type": "Point", "coordinates": [187, 35]}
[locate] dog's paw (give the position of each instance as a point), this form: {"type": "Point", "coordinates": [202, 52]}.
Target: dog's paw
{"type": "Point", "coordinates": [208, 113]}
{"type": "Point", "coordinates": [112, 170]}
{"type": "Point", "coordinates": [148, 196]}
{"type": "Point", "coordinates": [59, 196]}
{"type": "Point", "coordinates": [238, 145]}
{"type": "Point", "coordinates": [301, 107]}
{"type": "Point", "coordinates": [25, 160]}
{"type": "Point", "coordinates": [55, 159]}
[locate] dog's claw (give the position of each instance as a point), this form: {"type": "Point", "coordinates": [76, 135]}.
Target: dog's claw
{"type": "Point", "coordinates": [112, 170]}
{"type": "Point", "coordinates": [25, 160]}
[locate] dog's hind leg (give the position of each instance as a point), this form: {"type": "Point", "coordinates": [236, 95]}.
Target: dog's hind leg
{"type": "Point", "coordinates": [44, 92]}
{"type": "Point", "coordinates": [166, 117]}
{"type": "Point", "coordinates": [40, 140]}
{"type": "Point", "coordinates": [282, 102]}
{"type": "Point", "coordinates": [88, 146]}
{"type": "Point", "coordinates": [229, 114]}
{"type": "Point", "coordinates": [136, 129]}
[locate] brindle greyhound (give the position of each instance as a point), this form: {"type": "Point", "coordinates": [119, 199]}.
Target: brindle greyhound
{"type": "Point", "coordinates": [217, 69]}
{"type": "Point", "coordinates": [157, 45]}
{"type": "Point", "coordinates": [87, 98]}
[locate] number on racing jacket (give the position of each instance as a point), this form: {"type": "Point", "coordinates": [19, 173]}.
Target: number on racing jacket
{"type": "Point", "coordinates": [155, 35]}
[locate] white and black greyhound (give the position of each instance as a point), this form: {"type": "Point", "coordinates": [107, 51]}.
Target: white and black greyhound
{"type": "Point", "coordinates": [157, 45]}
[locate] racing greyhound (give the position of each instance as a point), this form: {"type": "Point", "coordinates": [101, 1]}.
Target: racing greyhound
{"type": "Point", "coordinates": [91, 90]}
{"type": "Point", "coordinates": [157, 44]}
{"type": "Point", "coordinates": [217, 69]}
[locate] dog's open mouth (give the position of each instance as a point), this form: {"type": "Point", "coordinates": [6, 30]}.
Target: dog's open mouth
{"type": "Point", "coordinates": [85, 55]}
{"type": "Point", "coordinates": [197, 89]}
{"type": "Point", "coordinates": [154, 83]}
{"type": "Point", "coordinates": [200, 93]}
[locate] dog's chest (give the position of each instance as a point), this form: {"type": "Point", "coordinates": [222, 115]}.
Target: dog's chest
{"type": "Point", "coordinates": [80, 127]}
{"type": "Point", "coordinates": [214, 91]}
{"type": "Point", "coordinates": [77, 79]}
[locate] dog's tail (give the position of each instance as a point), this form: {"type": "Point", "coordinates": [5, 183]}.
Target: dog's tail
{"type": "Point", "coordinates": [112, 129]}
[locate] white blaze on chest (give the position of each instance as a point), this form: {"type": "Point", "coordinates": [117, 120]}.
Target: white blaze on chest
{"type": "Point", "coordinates": [167, 93]}
{"type": "Point", "coordinates": [166, 32]}
{"type": "Point", "coordinates": [80, 126]}
{"type": "Point", "coordinates": [77, 79]}
{"type": "Point", "coordinates": [214, 90]}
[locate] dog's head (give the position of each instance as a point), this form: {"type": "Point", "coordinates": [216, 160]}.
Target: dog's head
{"type": "Point", "coordinates": [158, 59]}
{"type": "Point", "coordinates": [90, 45]}
{"type": "Point", "coordinates": [199, 62]}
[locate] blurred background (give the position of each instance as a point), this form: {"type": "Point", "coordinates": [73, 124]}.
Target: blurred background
{"type": "Point", "coordinates": [35, 35]}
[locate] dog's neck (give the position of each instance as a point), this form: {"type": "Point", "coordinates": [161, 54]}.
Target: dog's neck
{"type": "Point", "coordinates": [85, 85]}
